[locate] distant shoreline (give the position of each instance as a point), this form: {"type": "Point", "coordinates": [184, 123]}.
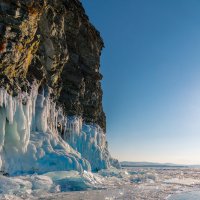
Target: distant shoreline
{"type": "Point", "coordinates": [155, 166]}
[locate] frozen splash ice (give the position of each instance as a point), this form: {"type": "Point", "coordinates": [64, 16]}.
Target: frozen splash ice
{"type": "Point", "coordinates": [36, 136]}
{"type": "Point", "coordinates": [89, 140]}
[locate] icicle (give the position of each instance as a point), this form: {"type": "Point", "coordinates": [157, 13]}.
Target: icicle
{"type": "Point", "coordinates": [5, 98]}
{"type": "Point", "coordinates": [9, 110]}
{"type": "Point", "coordinates": [36, 112]}
{"type": "Point", "coordinates": [2, 127]}
{"type": "Point", "coordinates": [1, 97]}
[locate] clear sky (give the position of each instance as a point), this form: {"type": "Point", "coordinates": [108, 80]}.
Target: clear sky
{"type": "Point", "coordinates": [151, 68]}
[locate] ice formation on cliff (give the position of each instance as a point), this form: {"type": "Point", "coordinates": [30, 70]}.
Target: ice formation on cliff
{"type": "Point", "coordinates": [89, 140]}
{"type": "Point", "coordinates": [35, 136]}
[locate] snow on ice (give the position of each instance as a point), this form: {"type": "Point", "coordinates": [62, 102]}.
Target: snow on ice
{"type": "Point", "coordinates": [153, 184]}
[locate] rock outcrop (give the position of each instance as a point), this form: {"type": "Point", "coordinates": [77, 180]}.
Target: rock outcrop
{"type": "Point", "coordinates": [54, 43]}
{"type": "Point", "coordinates": [50, 88]}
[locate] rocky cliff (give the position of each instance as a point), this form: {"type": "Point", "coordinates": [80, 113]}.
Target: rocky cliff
{"type": "Point", "coordinates": [54, 43]}
{"type": "Point", "coordinates": [50, 85]}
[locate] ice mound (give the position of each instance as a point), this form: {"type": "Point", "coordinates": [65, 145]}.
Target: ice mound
{"type": "Point", "coordinates": [29, 139]}
{"type": "Point", "coordinates": [45, 153]}
{"type": "Point", "coordinates": [37, 137]}
{"type": "Point", "coordinates": [90, 141]}
{"type": "Point", "coordinates": [26, 185]}
{"type": "Point", "coordinates": [75, 181]}
{"type": "Point", "coordinates": [51, 182]}
{"type": "Point", "coordinates": [144, 177]}
{"type": "Point", "coordinates": [113, 172]}
{"type": "Point", "coordinates": [10, 185]}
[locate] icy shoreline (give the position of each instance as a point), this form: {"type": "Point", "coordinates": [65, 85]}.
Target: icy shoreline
{"type": "Point", "coordinates": [131, 183]}
{"type": "Point", "coordinates": [48, 155]}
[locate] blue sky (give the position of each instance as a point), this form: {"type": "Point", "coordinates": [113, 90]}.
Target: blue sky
{"type": "Point", "coordinates": [151, 68]}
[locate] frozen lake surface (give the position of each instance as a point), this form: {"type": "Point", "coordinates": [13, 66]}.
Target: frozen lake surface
{"type": "Point", "coordinates": [195, 195]}
{"type": "Point", "coordinates": [129, 183]}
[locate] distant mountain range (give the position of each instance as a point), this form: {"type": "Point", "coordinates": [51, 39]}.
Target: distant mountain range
{"type": "Point", "coordinates": [153, 164]}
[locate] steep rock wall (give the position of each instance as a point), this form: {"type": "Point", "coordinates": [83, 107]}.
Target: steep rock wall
{"type": "Point", "coordinates": [54, 43]}
{"type": "Point", "coordinates": [50, 88]}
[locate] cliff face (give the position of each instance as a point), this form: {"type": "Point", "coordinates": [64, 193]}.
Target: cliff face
{"type": "Point", "coordinates": [52, 42]}
{"type": "Point", "coordinates": [51, 115]}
